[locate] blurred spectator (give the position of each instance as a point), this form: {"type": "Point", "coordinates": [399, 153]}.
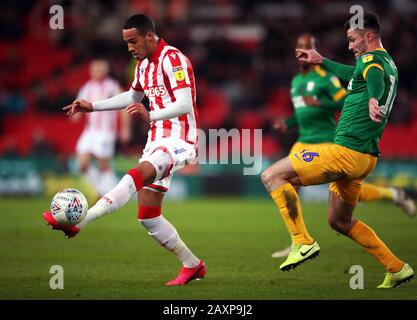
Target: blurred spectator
{"type": "Point", "coordinates": [10, 149]}
{"type": "Point", "coordinates": [12, 102]}
{"type": "Point", "coordinates": [40, 146]}
{"type": "Point", "coordinates": [241, 50]}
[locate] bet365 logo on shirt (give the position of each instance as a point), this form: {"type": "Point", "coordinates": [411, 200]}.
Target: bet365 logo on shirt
{"type": "Point", "coordinates": [158, 91]}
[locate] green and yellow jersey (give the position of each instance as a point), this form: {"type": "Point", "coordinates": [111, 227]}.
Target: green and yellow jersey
{"type": "Point", "coordinates": [355, 129]}
{"type": "Point", "coordinates": [316, 124]}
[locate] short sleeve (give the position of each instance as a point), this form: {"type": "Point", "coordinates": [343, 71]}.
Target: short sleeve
{"type": "Point", "coordinates": [368, 61]}
{"type": "Point", "coordinates": [175, 66]}
{"type": "Point", "coordinates": [136, 84]}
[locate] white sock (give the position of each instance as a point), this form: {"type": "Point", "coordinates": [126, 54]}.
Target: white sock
{"type": "Point", "coordinates": [166, 235]}
{"type": "Point", "coordinates": [112, 201]}
{"type": "Point", "coordinates": [107, 182]}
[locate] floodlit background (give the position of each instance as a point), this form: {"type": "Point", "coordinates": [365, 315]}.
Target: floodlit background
{"type": "Point", "coordinates": [242, 54]}
{"type": "Point", "coordinates": [243, 58]}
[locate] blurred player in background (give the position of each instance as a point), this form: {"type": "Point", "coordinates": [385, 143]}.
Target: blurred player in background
{"type": "Point", "coordinates": [316, 95]}
{"type": "Point", "coordinates": [350, 159]}
{"type": "Point", "coordinates": [97, 141]}
{"type": "Point", "coordinates": [166, 77]}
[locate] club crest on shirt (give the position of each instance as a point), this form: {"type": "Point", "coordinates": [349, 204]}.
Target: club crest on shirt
{"type": "Point", "coordinates": [367, 58]}
{"type": "Point", "coordinates": [179, 73]}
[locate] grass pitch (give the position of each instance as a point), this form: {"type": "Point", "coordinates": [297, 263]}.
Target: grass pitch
{"type": "Point", "coordinates": [114, 258]}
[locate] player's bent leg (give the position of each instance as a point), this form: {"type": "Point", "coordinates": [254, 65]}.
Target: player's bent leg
{"type": "Point", "coordinates": [279, 174]}
{"type": "Point", "coordinates": [340, 214]}
{"type": "Point", "coordinates": [279, 180]}
{"type": "Point", "coordinates": [371, 192]}
{"type": "Point", "coordinates": [340, 219]}
{"type": "Point", "coordinates": [142, 174]}
{"type": "Point", "coordinates": [159, 228]}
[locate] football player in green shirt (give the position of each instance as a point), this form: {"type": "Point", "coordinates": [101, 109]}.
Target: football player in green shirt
{"type": "Point", "coordinates": [349, 160]}
{"type": "Point", "coordinates": [316, 95]}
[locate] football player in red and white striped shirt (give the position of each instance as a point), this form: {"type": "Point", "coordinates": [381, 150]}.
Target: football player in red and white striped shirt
{"type": "Point", "coordinates": [98, 138]}
{"type": "Point", "coordinates": [166, 77]}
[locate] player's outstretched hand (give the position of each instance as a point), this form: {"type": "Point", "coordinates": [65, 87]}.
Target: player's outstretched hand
{"type": "Point", "coordinates": [79, 105]}
{"type": "Point", "coordinates": [139, 110]}
{"type": "Point", "coordinates": [279, 125]}
{"type": "Point", "coordinates": [309, 56]}
{"type": "Point", "coordinates": [375, 111]}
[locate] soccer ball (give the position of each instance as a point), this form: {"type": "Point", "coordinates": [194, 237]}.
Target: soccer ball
{"type": "Point", "coordinates": [69, 207]}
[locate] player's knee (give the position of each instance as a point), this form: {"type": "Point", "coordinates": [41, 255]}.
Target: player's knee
{"type": "Point", "coordinates": [266, 176]}
{"type": "Point", "coordinates": [339, 226]}
{"type": "Point", "coordinates": [270, 176]}
{"type": "Point", "coordinates": [147, 172]}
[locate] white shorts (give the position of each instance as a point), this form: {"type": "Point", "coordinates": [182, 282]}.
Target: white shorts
{"type": "Point", "coordinates": [99, 144]}
{"type": "Point", "coordinates": [176, 154]}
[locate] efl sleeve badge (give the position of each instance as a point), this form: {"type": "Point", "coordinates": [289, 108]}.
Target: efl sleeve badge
{"type": "Point", "coordinates": [179, 73]}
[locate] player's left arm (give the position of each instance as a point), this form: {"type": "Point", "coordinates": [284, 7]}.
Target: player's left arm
{"type": "Point", "coordinates": [373, 73]}
{"type": "Point", "coordinates": [182, 105]}
{"type": "Point", "coordinates": [376, 86]}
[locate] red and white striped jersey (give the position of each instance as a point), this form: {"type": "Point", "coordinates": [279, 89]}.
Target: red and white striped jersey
{"type": "Point", "coordinates": [159, 76]}
{"type": "Point", "coordinates": [94, 90]}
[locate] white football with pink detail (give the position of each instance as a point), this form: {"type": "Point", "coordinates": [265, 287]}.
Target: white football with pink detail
{"type": "Point", "coordinates": [69, 206]}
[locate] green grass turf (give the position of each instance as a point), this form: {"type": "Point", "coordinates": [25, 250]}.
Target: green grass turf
{"type": "Point", "coordinates": [114, 258]}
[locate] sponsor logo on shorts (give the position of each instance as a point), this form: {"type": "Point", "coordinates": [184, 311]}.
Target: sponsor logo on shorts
{"type": "Point", "coordinates": [307, 156]}
{"type": "Point", "coordinates": [178, 151]}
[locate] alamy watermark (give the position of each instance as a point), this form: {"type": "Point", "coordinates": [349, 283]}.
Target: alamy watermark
{"type": "Point", "coordinates": [56, 282]}
{"type": "Point", "coordinates": [357, 280]}
{"type": "Point", "coordinates": [234, 146]}
{"type": "Point", "coordinates": [56, 21]}
{"type": "Point", "coordinates": [356, 21]}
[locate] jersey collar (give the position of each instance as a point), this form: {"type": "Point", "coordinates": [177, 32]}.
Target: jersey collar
{"type": "Point", "coordinates": [380, 49]}
{"type": "Point", "coordinates": [161, 44]}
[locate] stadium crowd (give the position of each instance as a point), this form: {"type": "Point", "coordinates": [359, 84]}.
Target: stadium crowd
{"type": "Point", "coordinates": [242, 53]}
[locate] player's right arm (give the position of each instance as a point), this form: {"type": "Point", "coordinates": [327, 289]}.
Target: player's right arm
{"type": "Point", "coordinates": [120, 101]}
{"type": "Point", "coordinates": [342, 71]}
{"type": "Point", "coordinates": [117, 102]}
